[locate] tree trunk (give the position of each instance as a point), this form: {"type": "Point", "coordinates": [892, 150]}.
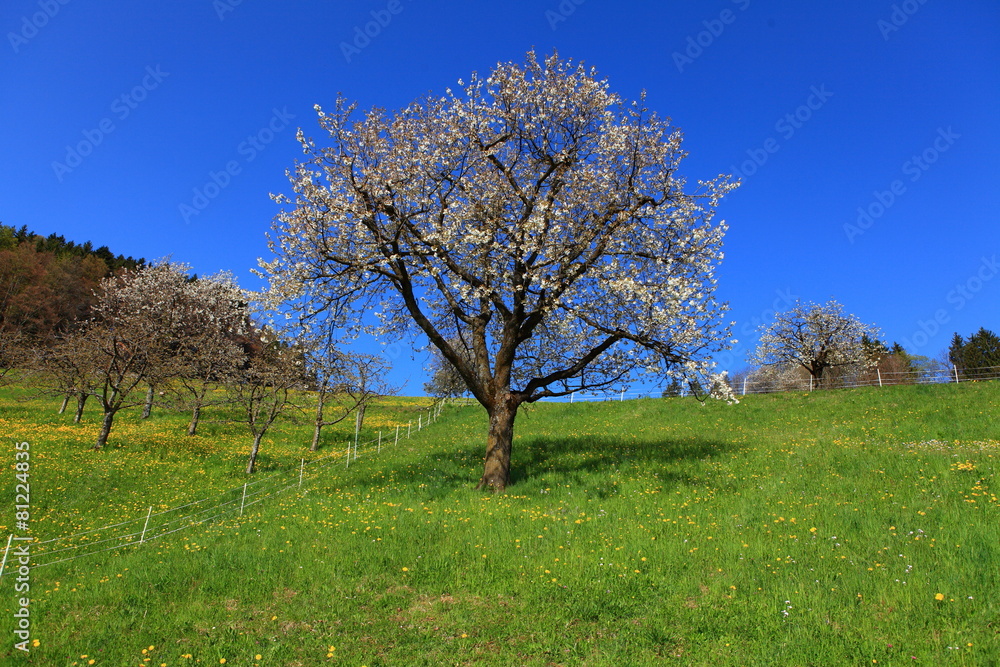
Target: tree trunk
{"type": "Point", "coordinates": [195, 416]}
{"type": "Point", "coordinates": [65, 402]}
{"type": "Point", "coordinates": [496, 470]}
{"type": "Point", "coordinates": [253, 453]}
{"type": "Point", "coordinates": [148, 408]}
{"type": "Point", "coordinates": [102, 437]}
{"type": "Point", "coordinates": [81, 400]}
{"type": "Point", "coordinates": [319, 422]}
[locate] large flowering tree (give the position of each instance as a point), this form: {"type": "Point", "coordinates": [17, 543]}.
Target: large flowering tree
{"type": "Point", "coordinates": [533, 226]}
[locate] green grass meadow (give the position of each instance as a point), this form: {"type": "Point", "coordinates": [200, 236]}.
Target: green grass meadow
{"type": "Point", "coordinates": [852, 527]}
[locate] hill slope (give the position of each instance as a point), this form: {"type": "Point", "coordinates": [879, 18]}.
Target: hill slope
{"type": "Point", "coordinates": [825, 528]}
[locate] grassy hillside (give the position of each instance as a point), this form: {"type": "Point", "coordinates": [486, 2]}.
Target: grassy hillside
{"type": "Point", "coordinates": [827, 528]}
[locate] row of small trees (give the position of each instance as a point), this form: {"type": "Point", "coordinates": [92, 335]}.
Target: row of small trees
{"type": "Point", "coordinates": [158, 334]}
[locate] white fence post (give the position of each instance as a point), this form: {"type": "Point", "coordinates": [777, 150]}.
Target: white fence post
{"type": "Point", "coordinates": [572, 396]}
{"type": "Point", "coordinates": [396, 441]}
{"type": "Point", "coordinates": [4, 562]}
{"type": "Point", "coordinates": [243, 501]}
{"type": "Point", "coordinates": [302, 466]}
{"type": "Point", "coordinates": [955, 369]}
{"type": "Point", "coordinates": [879, 376]}
{"type": "Point", "coordinates": [380, 442]}
{"type": "Point", "coordinates": [145, 525]}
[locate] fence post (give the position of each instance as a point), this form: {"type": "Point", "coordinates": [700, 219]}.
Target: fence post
{"type": "Point", "coordinates": [810, 383]}
{"type": "Point", "coordinates": [3, 563]}
{"type": "Point", "coordinates": [572, 396]}
{"type": "Point", "coordinates": [396, 441]}
{"type": "Point", "coordinates": [744, 386]}
{"type": "Point", "coordinates": [409, 425]}
{"type": "Point", "coordinates": [622, 399]}
{"type": "Point", "coordinates": [302, 466]}
{"type": "Point", "coordinates": [243, 500]}
{"type": "Point", "coordinates": [955, 369]}
{"type": "Point", "coordinates": [348, 454]}
{"type": "Point", "coordinates": [420, 424]}
{"type": "Point", "coordinates": [380, 442]}
{"type": "Point", "coordinates": [148, 514]}
{"type": "Point", "coordinates": [879, 376]}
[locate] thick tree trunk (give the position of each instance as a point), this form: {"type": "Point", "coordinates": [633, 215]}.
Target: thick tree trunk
{"type": "Point", "coordinates": [195, 416]}
{"type": "Point", "coordinates": [148, 408]}
{"type": "Point", "coordinates": [65, 402]}
{"type": "Point", "coordinates": [81, 400]}
{"type": "Point", "coordinates": [496, 470]}
{"type": "Point", "coordinates": [102, 437]}
{"type": "Point", "coordinates": [253, 453]}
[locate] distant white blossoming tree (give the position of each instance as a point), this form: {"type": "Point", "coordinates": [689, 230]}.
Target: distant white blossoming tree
{"type": "Point", "coordinates": [816, 338]}
{"type": "Point", "coordinates": [533, 226]}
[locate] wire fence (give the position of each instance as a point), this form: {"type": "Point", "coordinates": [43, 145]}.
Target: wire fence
{"type": "Point", "coordinates": [231, 503]}
{"type": "Point", "coordinates": [869, 378]}
{"type": "Point", "coordinates": [802, 382]}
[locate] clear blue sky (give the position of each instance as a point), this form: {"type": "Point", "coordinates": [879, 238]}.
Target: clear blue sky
{"type": "Point", "coordinates": [112, 115]}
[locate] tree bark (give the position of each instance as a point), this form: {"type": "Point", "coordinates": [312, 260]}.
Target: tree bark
{"type": "Point", "coordinates": [102, 437]}
{"type": "Point", "coordinates": [319, 422]}
{"type": "Point", "coordinates": [148, 408]}
{"type": "Point", "coordinates": [499, 441]}
{"type": "Point", "coordinates": [195, 416]}
{"type": "Point", "coordinates": [81, 400]}
{"type": "Point", "coordinates": [253, 453]}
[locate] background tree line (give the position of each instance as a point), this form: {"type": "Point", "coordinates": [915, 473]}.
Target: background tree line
{"type": "Point", "coordinates": [46, 285]}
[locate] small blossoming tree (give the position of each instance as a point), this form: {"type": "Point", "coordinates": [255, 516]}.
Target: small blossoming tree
{"type": "Point", "coordinates": [533, 226]}
{"type": "Point", "coordinates": [816, 338]}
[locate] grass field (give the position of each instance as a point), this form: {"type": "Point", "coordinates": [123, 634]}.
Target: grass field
{"type": "Point", "coordinates": [834, 528]}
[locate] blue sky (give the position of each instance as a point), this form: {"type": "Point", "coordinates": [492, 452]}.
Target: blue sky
{"type": "Point", "coordinates": [865, 132]}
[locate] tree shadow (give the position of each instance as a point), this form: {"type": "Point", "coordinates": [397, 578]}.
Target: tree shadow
{"type": "Point", "coordinates": [590, 463]}
{"type": "Point", "coordinates": [580, 458]}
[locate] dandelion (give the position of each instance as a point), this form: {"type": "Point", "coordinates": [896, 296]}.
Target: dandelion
{"type": "Point", "coordinates": [939, 597]}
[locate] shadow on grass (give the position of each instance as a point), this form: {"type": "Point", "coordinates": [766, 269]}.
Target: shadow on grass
{"type": "Point", "coordinates": [587, 462]}
{"type": "Point", "coordinates": [581, 458]}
